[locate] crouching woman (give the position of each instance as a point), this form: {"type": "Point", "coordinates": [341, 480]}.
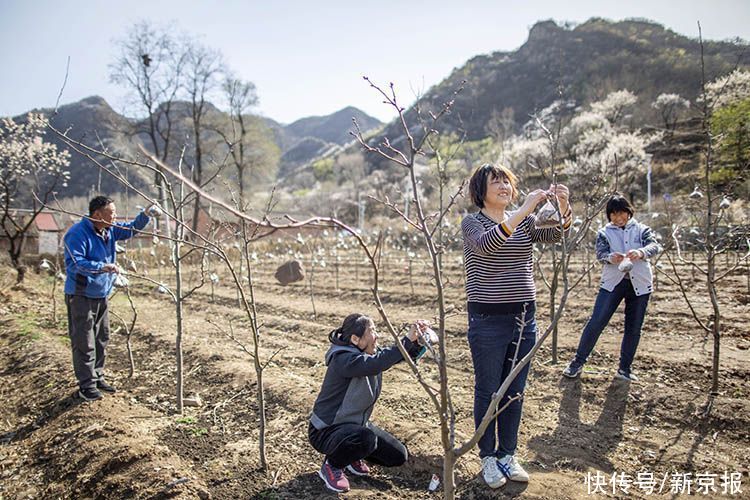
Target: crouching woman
{"type": "Point", "coordinates": [340, 426]}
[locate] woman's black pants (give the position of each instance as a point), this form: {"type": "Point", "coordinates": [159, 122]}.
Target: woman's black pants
{"type": "Point", "coordinates": [343, 444]}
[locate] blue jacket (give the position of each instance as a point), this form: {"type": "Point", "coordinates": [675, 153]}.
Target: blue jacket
{"type": "Point", "coordinates": [87, 251]}
{"type": "Point", "coordinates": [634, 236]}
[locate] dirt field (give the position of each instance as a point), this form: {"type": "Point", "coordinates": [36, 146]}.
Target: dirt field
{"type": "Point", "coordinates": [134, 445]}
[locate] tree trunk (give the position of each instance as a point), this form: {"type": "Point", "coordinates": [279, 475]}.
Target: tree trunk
{"type": "Point", "coordinates": [716, 328]}
{"type": "Point", "coordinates": [54, 296]}
{"type": "Point", "coordinates": [131, 361]}
{"type": "Point", "coordinates": [198, 167]}
{"type": "Point", "coordinates": [553, 304]}
{"type": "Point", "coordinates": [20, 273]}
{"type": "Point", "coordinates": [261, 410]}
{"type": "Point", "coordinates": [312, 286]}
{"type": "Point", "coordinates": [14, 252]}
{"type": "Point", "coordinates": [449, 479]}
{"type": "Point", "coordinates": [178, 310]}
{"type": "Point", "coordinates": [20, 268]}
{"type": "Point", "coordinates": [716, 357]}
{"type": "Point", "coordinates": [196, 212]}
{"type": "Point", "coordinates": [161, 196]}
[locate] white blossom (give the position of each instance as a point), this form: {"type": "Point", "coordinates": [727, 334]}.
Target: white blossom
{"type": "Point", "coordinates": [670, 101]}
{"type": "Point", "coordinates": [27, 161]}
{"type": "Point", "coordinates": [670, 106]}
{"type": "Point", "coordinates": [729, 89]}
{"type": "Point", "coordinates": [627, 150]}
{"type": "Point", "coordinates": [613, 106]}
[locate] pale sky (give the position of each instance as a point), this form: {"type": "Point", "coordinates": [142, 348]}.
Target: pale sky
{"type": "Point", "coordinates": [305, 57]}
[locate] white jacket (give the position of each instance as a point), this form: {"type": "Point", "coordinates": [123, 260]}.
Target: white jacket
{"type": "Point", "coordinates": [633, 236]}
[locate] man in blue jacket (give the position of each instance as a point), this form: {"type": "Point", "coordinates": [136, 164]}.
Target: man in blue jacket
{"type": "Point", "coordinates": [91, 270]}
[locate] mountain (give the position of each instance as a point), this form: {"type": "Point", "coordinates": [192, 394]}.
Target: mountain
{"type": "Point", "coordinates": [308, 138]}
{"type": "Point", "coordinates": [579, 64]}
{"type": "Point", "coordinates": [582, 64]}
{"type": "Point", "coordinates": [93, 122]}
{"type": "Point", "coordinates": [303, 152]}
{"type": "Point", "coordinates": [333, 128]}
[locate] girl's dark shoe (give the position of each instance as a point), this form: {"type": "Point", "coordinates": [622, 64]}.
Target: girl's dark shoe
{"type": "Point", "coordinates": [573, 370]}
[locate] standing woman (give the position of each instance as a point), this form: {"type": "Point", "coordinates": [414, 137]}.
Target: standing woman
{"type": "Point", "coordinates": [498, 244]}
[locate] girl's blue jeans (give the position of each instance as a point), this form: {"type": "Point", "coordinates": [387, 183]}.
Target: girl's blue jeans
{"type": "Point", "coordinates": [494, 342]}
{"type": "Point", "coordinates": [605, 306]}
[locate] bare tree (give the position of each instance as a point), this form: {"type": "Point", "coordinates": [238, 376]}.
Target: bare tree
{"type": "Point", "coordinates": [241, 96]}
{"type": "Point", "coordinates": [149, 64]}
{"type": "Point", "coordinates": [594, 203]}
{"type": "Point", "coordinates": [252, 152]}
{"type": "Point", "coordinates": [708, 209]}
{"type": "Point", "coordinates": [245, 287]}
{"type": "Point", "coordinates": [670, 106]}
{"type": "Point", "coordinates": [53, 270]}
{"type": "Point", "coordinates": [129, 327]}
{"type": "Point", "coordinates": [204, 68]}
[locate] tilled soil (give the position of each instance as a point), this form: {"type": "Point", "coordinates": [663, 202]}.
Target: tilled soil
{"type": "Point", "coordinates": [133, 444]}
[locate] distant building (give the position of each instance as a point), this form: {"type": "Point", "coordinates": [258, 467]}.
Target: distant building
{"type": "Point", "coordinates": [47, 234]}
{"type": "Point", "coordinates": [44, 235]}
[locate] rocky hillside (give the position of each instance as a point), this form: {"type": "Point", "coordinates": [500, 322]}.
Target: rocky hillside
{"type": "Point", "coordinates": [93, 122]}
{"type": "Point", "coordinates": [580, 64]}
{"type": "Point", "coordinates": [333, 128]}
{"type": "Point", "coordinates": [583, 64]}
{"type": "Point", "coordinates": [308, 138]}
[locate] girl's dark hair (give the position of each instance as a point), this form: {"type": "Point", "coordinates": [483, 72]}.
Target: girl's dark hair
{"type": "Point", "coordinates": [354, 324]}
{"type": "Point", "coordinates": [478, 182]}
{"type": "Point", "coordinates": [618, 203]}
{"type": "Point", "coordinates": [99, 202]}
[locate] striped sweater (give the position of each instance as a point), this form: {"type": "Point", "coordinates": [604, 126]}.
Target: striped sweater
{"type": "Point", "coordinates": [499, 267]}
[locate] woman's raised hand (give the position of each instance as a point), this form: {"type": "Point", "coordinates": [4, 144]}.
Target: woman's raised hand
{"type": "Point", "coordinates": [563, 194]}
{"type": "Point", "coordinates": [417, 329]}
{"type": "Point", "coordinates": [533, 199]}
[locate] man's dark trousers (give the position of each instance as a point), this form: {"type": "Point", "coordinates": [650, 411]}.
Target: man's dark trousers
{"type": "Point", "coordinates": [88, 328]}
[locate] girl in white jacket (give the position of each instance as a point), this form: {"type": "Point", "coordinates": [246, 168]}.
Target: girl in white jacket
{"type": "Point", "coordinates": [624, 247]}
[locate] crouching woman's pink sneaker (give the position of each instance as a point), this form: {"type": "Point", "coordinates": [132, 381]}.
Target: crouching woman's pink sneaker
{"type": "Point", "coordinates": [358, 468]}
{"type": "Point", "coordinates": [334, 478]}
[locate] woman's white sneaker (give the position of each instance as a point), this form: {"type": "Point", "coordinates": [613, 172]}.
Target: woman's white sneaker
{"type": "Point", "coordinates": [512, 469]}
{"type": "Point", "coordinates": [491, 474]}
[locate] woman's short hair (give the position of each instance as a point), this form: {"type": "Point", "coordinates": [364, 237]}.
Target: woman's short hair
{"type": "Point", "coordinates": [618, 203]}
{"type": "Point", "coordinates": [354, 324]}
{"type": "Point", "coordinates": [478, 182]}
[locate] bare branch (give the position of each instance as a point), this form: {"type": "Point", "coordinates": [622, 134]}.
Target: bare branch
{"type": "Point", "coordinates": [62, 87]}
{"type": "Point", "coordinates": [729, 271]}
